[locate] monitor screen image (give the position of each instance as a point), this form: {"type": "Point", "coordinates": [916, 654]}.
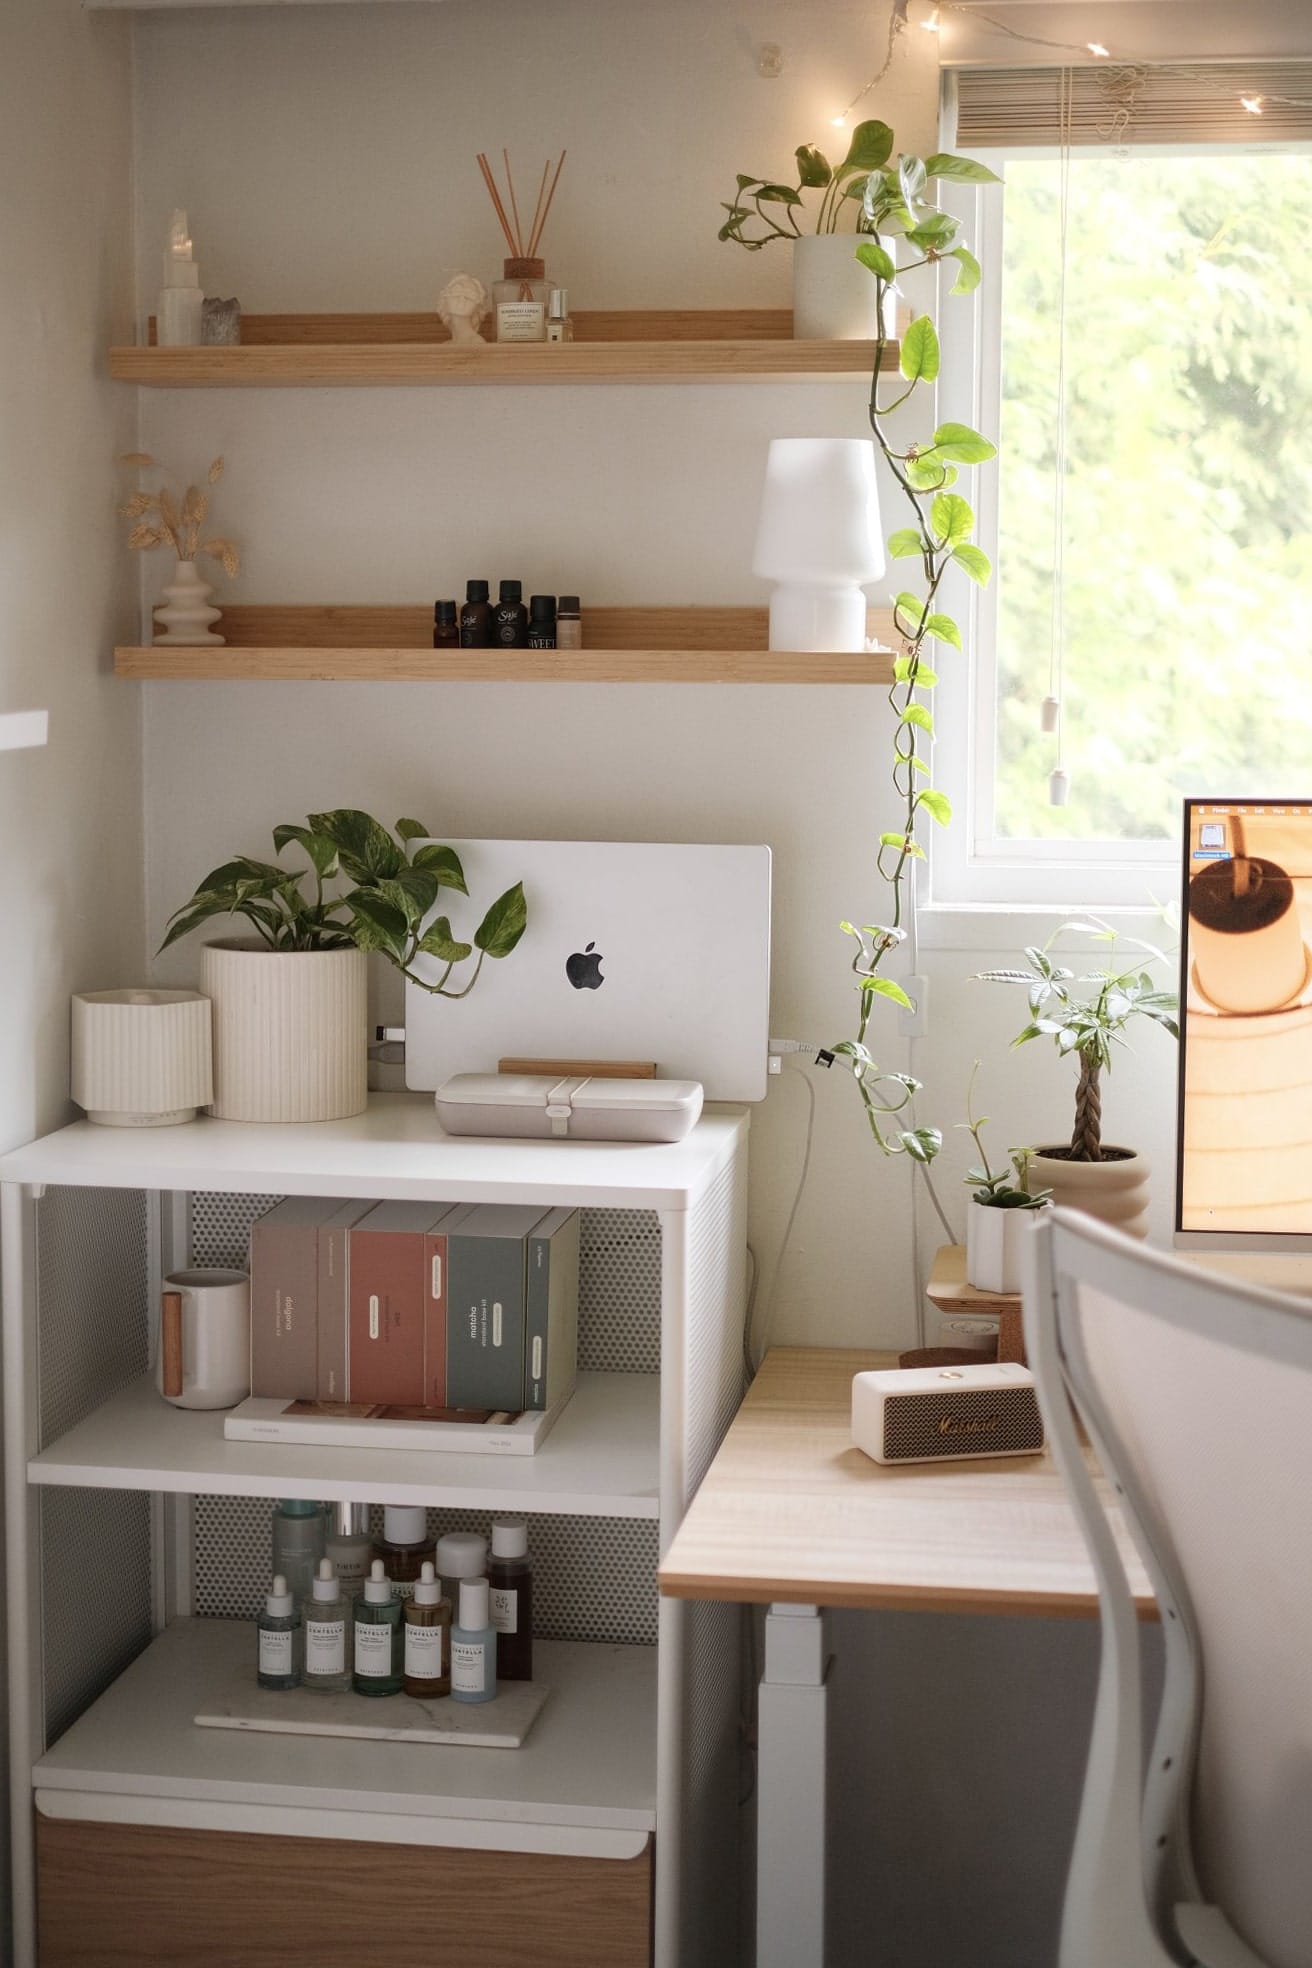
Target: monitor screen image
{"type": "Point", "coordinates": [1245, 1161]}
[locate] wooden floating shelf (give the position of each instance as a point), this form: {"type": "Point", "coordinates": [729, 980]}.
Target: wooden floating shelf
{"type": "Point", "coordinates": [392, 645]}
{"type": "Point", "coordinates": [317, 351]}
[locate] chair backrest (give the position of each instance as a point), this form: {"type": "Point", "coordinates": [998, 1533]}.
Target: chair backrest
{"type": "Point", "coordinates": [1196, 1394]}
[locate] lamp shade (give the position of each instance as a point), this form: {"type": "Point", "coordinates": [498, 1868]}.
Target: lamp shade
{"type": "Point", "coordinates": [818, 538]}
{"type": "Point", "coordinates": [141, 1058]}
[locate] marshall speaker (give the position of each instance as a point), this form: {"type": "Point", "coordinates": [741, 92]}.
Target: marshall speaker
{"type": "Point", "coordinates": [934, 1414]}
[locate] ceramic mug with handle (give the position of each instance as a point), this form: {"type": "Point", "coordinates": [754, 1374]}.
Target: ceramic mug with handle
{"type": "Point", "coordinates": [204, 1339]}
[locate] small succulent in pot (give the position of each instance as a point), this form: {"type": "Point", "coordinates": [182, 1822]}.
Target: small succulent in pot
{"type": "Point", "coordinates": [1002, 1188]}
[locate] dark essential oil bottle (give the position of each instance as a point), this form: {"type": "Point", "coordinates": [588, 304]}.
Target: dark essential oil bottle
{"type": "Point", "coordinates": [475, 617]}
{"type": "Point", "coordinates": [510, 1577]}
{"type": "Point", "coordinates": [510, 618]}
{"type": "Point", "coordinates": [542, 622]}
{"type": "Point", "coordinates": [569, 623]}
{"type": "Point", "coordinates": [446, 633]}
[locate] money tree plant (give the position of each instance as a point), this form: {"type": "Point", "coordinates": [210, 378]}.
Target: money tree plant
{"type": "Point", "coordinates": [900, 214]}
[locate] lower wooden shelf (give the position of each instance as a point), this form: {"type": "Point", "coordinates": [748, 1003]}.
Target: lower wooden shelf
{"type": "Point", "coordinates": [583, 1783]}
{"type": "Point", "coordinates": [339, 644]}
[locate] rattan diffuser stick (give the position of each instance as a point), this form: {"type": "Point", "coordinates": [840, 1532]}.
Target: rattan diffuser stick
{"type": "Point", "coordinates": [520, 249]}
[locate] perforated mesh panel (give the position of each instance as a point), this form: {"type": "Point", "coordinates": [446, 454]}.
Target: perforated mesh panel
{"type": "Point", "coordinates": [95, 1562]}
{"type": "Point", "coordinates": [594, 1578]}
{"type": "Point", "coordinates": [92, 1287]}
{"type": "Point", "coordinates": [619, 1275]}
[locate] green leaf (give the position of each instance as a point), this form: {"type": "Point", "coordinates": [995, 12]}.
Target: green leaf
{"type": "Point", "coordinates": [951, 518]}
{"type": "Point", "coordinates": [911, 606]}
{"type": "Point", "coordinates": [975, 562]}
{"type": "Point", "coordinates": [871, 254]}
{"type": "Point", "coordinates": [776, 194]}
{"type": "Point", "coordinates": [928, 473]}
{"type": "Point", "coordinates": [921, 1144]}
{"type": "Point", "coordinates": [917, 714]}
{"type": "Point", "coordinates": [504, 923]}
{"type": "Point", "coordinates": [812, 166]}
{"type": "Point", "coordinates": [966, 446]}
{"type": "Point", "coordinates": [920, 351]}
{"type": "Point", "coordinates": [871, 147]}
{"type": "Point", "coordinates": [924, 676]}
{"type": "Point", "coordinates": [935, 233]}
{"type": "Point", "coordinates": [367, 850]}
{"type": "Point", "coordinates": [937, 805]}
{"type": "Point", "coordinates": [965, 170]}
{"type": "Point", "coordinates": [413, 892]}
{"type": "Point", "coordinates": [943, 629]}
{"type": "Point", "coordinates": [855, 188]}
{"type": "Point", "coordinates": [377, 924]}
{"type": "Point", "coordinates": [885, 987]}
{"type": "Point", "coordinates": [908, 540]}
{"type": "Point", "coordinates": [911, 176]}
{"type": "Point", "coordinates": [970, 275]}
{"type": "Point", "coordinates": [322, 852]}
{"type": "Point", "coordinates": [437, 941]}
{"type": "Point", "coordinates": [193, 916]}
{"type": "Point", "coordinates": [409, 830]}
{"type": "Point", "coordinates": [443, 862]}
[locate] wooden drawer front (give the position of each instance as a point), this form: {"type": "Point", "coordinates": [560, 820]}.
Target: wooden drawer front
{"type": "Point", "coordinates": [118, 1896]}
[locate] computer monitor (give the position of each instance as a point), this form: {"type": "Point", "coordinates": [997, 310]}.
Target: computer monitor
{"type": "Point", "coordinates": [1244, 1168]}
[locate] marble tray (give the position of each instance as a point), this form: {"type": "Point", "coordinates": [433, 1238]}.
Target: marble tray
{"type": "Point", "coordinates": [239, 1702]}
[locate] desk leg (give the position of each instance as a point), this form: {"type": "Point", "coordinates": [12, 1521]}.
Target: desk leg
{"type": "Point", "coordinates": [790, 1837]}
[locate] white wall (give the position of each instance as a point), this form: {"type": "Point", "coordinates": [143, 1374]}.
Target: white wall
{"type": "Point", "coordinates": [70, 873]}
{"type": "Point", "coordinates": [326, 159]}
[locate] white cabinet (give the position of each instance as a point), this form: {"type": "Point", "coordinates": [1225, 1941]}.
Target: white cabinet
{"type": "Point", "coordinates": [635, 1741]}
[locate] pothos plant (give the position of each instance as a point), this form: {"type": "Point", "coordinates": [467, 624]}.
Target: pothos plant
{"type": "Point", "coordinates": [897, 205]}
{"type": "Point", "coordinates": [394, 886]}
{"type": "Point", "coordinates": [842, 188]}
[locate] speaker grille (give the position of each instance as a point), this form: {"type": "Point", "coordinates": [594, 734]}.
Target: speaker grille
{"type": "Point", "coordinates": [992, 1421]}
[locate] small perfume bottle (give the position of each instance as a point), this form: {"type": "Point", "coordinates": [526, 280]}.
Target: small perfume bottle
{"type": "Point", "coordinates": [377, 1637]}
{"type": "Point", "coordinates": [446, 630]}
{"type": "Point", "coordinates": [428, 1638]}
{"type": "Point", "coordinates": [560, 322]}
{"type": "Point", "coordinates": [326, 1617]}
{"type": "Point", "coordinates": [473, 1646]}
{"type": "Point", "coordinates": [510, 1576]}
{"type": "Point", "coordinates": [542, 622]}
{"type": "Point", "coordinates": [280, 1638]}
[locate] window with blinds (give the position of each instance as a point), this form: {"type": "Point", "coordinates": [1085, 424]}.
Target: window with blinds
{"type": "Point", "coordinates": [1014, 108]}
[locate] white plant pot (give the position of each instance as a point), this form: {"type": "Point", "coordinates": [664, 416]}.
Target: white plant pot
{"type": "Point", "coordinates": [290, 1032]}
{"type": "Point", "coordinates": [1115, 1192]}
{"type": "Point", "coordinates": [995, 1239]}
{"type": "Point", "coordinates": [834, 296]}
{"type": "Point", "coordinates": [185, 613]}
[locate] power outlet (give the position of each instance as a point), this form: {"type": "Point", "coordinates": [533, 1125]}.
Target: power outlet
{"type": "Point", "coordinates": [914, 1024]}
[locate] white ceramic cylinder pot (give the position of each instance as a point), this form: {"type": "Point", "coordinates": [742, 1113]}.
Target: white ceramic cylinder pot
{"type": "Point", "coordinates": [1113, 1190]}
{"type": "Point", "coordinates": [835, 298]}
{"type": "Point", "coordinates": [204, 1354]}
{"type": "Point", "coordinates": [185, 615]}
{"type": "Point", "coordinates": [995, 1239]}
{"type": "Point", "coordinates": [290, 1032]}
{"type": "Point", "coordinates": [818, 539]}
{"type": "Point", "coordinates": [141, 1058]}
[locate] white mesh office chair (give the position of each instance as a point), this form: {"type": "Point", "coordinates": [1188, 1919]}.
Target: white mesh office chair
{"type": "Point", "coordinates": [1197, 1397]}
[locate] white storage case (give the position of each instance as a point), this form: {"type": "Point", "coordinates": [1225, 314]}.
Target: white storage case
{"type": "Point", "coordinates": [575, 1108]}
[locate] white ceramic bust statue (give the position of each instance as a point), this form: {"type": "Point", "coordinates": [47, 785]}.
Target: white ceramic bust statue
{"type": "Point", "coordinates": [462, 304]}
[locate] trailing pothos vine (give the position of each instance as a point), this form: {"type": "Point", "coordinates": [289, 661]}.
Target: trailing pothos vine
{"type": "Point", "coordinates": [896, 203]}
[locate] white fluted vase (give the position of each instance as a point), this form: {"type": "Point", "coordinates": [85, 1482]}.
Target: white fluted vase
{"type": "Point", "coordinates": [290, 1032]}
{"type": "Point", "coordinates": [185, 614]}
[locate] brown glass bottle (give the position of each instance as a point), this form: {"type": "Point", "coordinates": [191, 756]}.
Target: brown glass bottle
{"type": "Point", "coordinates": [427, 1638]}
{"type": "Point", "coordinates": [510, 1576]}
{"type": "Point", "coordinates": [404, 1545]}
{"type": "Point", "coordinates": [510, 618]}
{"type": "Point", "coordinates": [475, 617]}
{"type": "Point", "coordinates": [446, 633]}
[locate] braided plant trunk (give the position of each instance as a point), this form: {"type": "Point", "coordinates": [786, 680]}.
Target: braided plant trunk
{"type": "Point", "coordinates": [1086, 1136]}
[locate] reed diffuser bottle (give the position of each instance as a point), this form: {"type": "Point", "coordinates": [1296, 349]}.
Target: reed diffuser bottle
{"type": "Point", "coordinates": [521, 297]}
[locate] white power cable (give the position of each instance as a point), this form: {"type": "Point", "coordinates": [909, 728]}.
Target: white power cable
{"type": "Point", "coordinates": [756, 1350]}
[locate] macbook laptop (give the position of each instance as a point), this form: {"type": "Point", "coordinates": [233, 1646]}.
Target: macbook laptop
{"type": "Point", "coordinates": [632, 951]}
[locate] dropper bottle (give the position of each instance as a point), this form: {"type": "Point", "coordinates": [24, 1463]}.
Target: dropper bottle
{"type": "Point", "coordinates": [377, 1637]}
{"type": "Point", "coordinates": [427, 1638]}
{"type": "Point", "coordinates": [280, 1638]}
{"type": "Point", "coordinates": [326, 1617]}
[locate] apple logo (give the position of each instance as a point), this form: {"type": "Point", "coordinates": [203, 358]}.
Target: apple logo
{"type": "Point", "coordinates": [583, 969]}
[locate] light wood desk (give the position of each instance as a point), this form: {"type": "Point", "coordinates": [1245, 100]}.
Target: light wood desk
{"type": "Point", "coordinates": [791, 1516]}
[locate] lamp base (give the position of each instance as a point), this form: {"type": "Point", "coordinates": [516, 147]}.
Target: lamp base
{"type": "Point", "coordinates": [817, 618]}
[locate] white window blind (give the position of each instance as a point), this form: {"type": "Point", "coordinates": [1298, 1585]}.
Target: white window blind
{"type": "Point", "coordinates": [1114, 104]}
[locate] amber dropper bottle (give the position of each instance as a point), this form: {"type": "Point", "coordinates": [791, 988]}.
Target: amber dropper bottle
{"type": "Point", "coordinates": [427, 1638]}
{"type": "Point", "coordinates": [446, 630]}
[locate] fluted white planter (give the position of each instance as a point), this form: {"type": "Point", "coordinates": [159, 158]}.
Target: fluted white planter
{"type": "Point", "coordinates": [185, 615]}
{"type": "Point", "coordinates": [290, 1032]}
{"type": "Point", "coordinates": [834, 296]}
{"type": "Point", "coordinates": [141, 1058]}
{"type": "Point", "coordinates": [995, 1239]}
{"type": "Point", "coordinates": [1116, 1191]}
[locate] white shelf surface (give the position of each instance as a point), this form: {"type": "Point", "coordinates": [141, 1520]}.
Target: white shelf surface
{"type": "Point", "coordinates": [396, 1148]}
{"type": "Point", "coordinates": [600, 1460]}
{"type": "Point", "coordinates": [136, 1755]}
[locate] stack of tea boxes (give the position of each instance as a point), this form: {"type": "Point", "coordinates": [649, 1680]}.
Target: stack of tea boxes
{"type": "Point", "coordinates": [415, 1306]}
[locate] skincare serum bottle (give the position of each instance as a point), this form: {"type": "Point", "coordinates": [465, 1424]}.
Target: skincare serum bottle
{"type": "Point", "coordinates": [446, 630]}
{"type": "Point", "coordinates": [299, 1530]}
{"type": "Point", "coordinates": [473, 1646]}
{"type": "Point", "coordinates": [569, 623]}
{"type": "Point", "coordinates": [460, 1555]}
{"type": "Point", "coordinates": [510, 1577]}
{"type": "Point", "coordinates": [350, 1547]}
{"type": "Point", "coordinates": [404, 1545]}
{"type": "Point", "coordinates": [377, 1637]}
{"type": "Point", "coordinates": [327, 1616]}
{"type": "Point", "coordinates": [510, 618]}
{"type": "Point", "coordinates": [427, 1638]}
{"type": "Point", "coordinates": [280, 1639]}
{"type": "Point", "coordinates": [476, 617]}
{"type": "Point", "coordinates": [542, 622]}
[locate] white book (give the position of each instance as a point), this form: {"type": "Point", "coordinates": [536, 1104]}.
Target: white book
{"type": "Point", "coordinates": [260, 1419]}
